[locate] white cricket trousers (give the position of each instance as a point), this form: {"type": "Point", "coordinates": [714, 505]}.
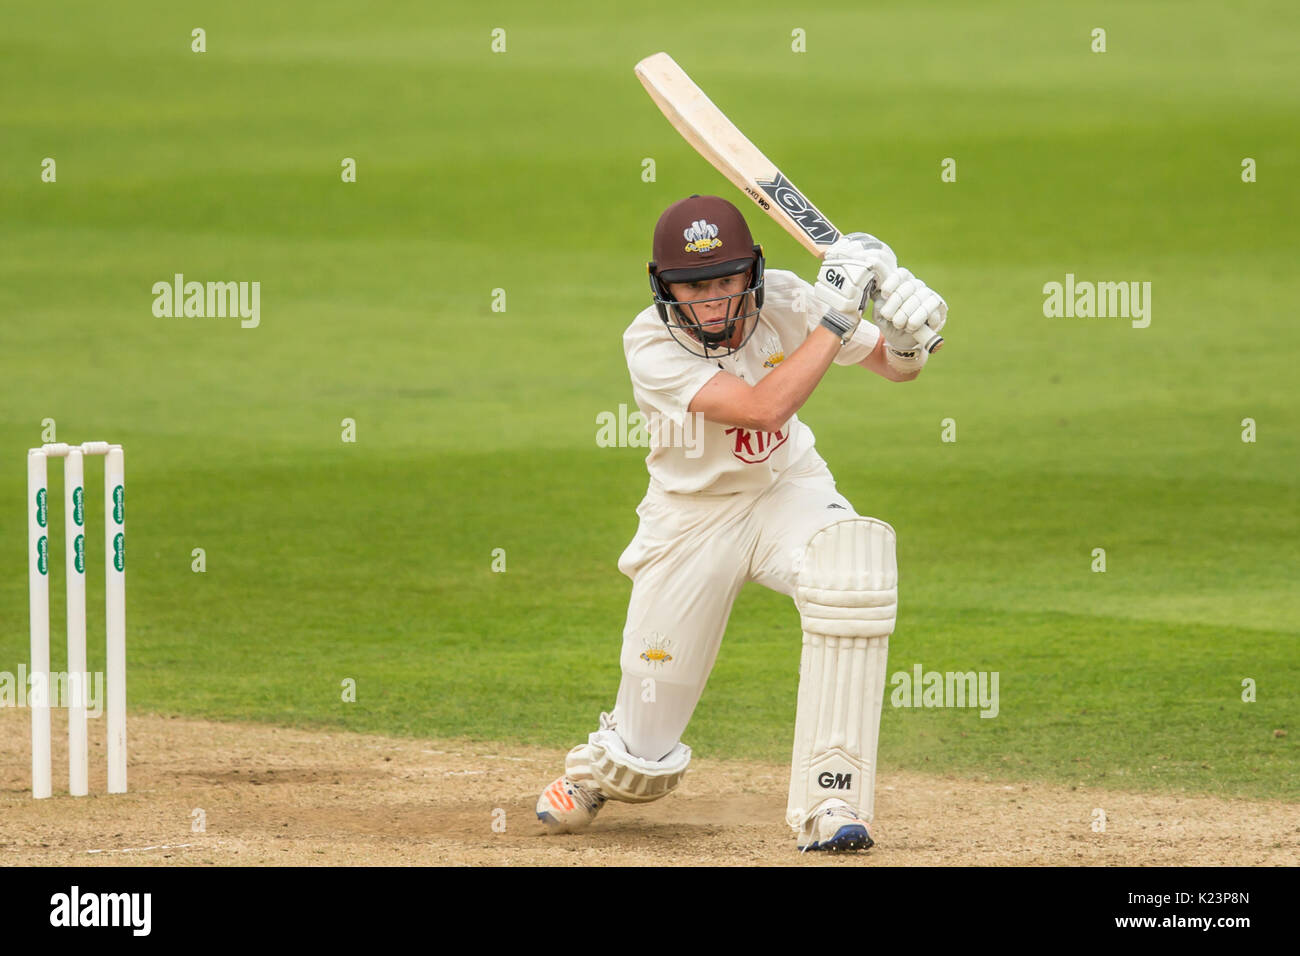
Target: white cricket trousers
{"type": "Point", "coordinates": [691, 556]}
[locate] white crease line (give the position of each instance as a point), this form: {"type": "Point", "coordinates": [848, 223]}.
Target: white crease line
{"type": "Point", "coordinates": [458, 753]}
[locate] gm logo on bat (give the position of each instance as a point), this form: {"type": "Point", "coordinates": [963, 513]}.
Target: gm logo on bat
{"type": "Point", "coordinates": [800, 210]}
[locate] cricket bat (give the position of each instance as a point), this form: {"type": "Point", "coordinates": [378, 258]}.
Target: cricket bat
{"type": "Point", "coordinates": [718, 140]}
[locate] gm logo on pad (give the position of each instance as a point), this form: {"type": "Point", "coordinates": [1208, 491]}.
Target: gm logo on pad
{"type": "Point", "coordinates": [834, 781]}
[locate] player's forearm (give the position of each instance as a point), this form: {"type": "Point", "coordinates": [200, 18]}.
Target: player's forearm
{"type": "Point", "coordinates": [782, 393]}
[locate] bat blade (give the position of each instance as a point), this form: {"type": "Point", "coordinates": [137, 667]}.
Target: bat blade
{"type": "Point", "coordinates": [730, 152]}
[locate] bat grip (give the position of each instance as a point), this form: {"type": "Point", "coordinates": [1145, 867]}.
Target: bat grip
{"type": "Point", "coordinates": [928, 339]}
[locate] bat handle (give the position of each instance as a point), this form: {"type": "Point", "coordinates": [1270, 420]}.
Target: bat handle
{"type": "Point", "coordinates": [926, 337]}
{"type": "Point", "coordinates": [929, 339]}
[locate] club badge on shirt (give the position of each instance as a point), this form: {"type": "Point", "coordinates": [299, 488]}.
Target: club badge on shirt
{"type": "Point", "coordinates": [773, 353]}
{"type": "Point", "coordinates": [754, 447]}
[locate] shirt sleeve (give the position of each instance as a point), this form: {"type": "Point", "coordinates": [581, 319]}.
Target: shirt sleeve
{"type": "Point", "coordinates": [664, 375]}
{"type": "Point", "coordinates": [791, 289]}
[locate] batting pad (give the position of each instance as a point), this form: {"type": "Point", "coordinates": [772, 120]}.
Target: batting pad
{"type": "Point", "coordinates": [847, 595]}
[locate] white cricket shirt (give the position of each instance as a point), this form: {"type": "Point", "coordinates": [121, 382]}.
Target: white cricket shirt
{"type": "Point", "coordinates": [715, 458]}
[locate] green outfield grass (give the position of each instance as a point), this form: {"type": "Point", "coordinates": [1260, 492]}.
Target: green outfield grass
{"type": "Point", "coordinates": [476, 430]}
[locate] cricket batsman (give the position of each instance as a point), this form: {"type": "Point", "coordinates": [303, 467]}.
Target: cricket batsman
{"type": "Point", "coordinates": [737, 351]}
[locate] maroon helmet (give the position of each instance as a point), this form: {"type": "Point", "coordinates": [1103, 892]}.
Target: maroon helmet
{"type": "Point", "coordinates": [699, 238]}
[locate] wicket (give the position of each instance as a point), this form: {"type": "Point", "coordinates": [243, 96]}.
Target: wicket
{"type": "Point", "coordinates": [77, 683]}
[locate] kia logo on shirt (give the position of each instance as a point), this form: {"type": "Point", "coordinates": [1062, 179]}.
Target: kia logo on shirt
{"type": "Point", "coordinates": [753, 447]}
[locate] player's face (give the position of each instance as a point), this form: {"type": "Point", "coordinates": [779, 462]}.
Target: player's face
{"type": "Point", "coordinates": [713, 315]}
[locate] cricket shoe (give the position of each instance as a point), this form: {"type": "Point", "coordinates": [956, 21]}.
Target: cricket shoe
{"type": "Point", "coordinates": [567, 807]}
{"type": "Point", "coordinates": [835, 827]}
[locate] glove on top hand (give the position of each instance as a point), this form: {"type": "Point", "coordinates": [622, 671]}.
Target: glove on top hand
{"type": "Point", "coordinates": [853, 266]}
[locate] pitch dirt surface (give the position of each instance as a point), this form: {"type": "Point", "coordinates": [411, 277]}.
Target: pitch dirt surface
{"type": "Point", "coordinates": [291, 797]}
